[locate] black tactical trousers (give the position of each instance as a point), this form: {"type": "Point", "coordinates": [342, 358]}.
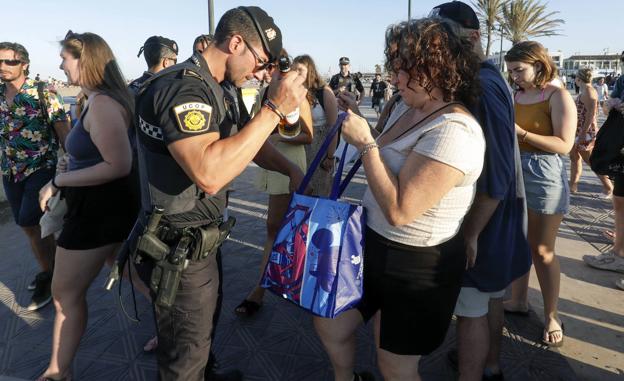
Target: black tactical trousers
{"type": "Point", "coordinates": [185, 329]}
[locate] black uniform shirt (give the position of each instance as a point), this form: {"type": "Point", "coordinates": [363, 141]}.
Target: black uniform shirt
{"type": "Point", "coordinates": [338, 80]}
{"type": "Point", "coordinates": [177, 106]}
{"type": "Point", "coordinates": [135, 85]}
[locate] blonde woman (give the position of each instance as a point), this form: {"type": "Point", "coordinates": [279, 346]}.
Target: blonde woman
{"type": "Point", "coordinates": [100, 194]}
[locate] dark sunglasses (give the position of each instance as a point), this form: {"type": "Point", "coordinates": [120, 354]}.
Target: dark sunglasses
{"type": "Point", "coordinates": [261, 64]}
{"type": "Point", "coordinates": [11, 62]}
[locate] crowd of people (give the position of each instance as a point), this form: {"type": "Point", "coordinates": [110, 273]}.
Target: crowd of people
{"type": "Point", "coordinates": [466, 189]}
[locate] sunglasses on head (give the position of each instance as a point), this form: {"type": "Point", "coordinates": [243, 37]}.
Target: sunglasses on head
{"type": "Point", "coordinates": [11, 62]}
{"type": "Point", "coordinates": [72, 36]}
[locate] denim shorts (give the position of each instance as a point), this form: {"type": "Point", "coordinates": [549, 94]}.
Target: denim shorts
{"type": "Point", "coordinates": [23, 196]}
{"type": "Point", "coordinates": [545, 182]}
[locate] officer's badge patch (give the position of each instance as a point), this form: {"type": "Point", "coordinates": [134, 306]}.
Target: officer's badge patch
{"type": "Point", "coordinates": [193, 117]}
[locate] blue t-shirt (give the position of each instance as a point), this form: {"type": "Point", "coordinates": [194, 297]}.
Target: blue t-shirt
{"type": "Point", "coordinates": [618, 89]}
{"type": "Point", "coordinates": [502, 252]}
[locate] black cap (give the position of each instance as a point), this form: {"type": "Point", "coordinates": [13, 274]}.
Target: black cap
{"type": "Point", "coordinates": [156, 42]}
{"type": "Point", "coordinates": [459, 12]}
{"type": "Point", "coordinates": [344, 60]}
{"type": "Point", "coordinates": [270, 34]}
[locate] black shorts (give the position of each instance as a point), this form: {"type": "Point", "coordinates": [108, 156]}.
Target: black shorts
{"type": "Point", "coordinates": [415, 288]}
{"type": "Point", "coordinates": [98, 215]}
{"type": "Point", "coordinates": [618, 185]}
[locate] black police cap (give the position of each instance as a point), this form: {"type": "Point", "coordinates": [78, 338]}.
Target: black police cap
{"type": "Point", "coordinates": [459, 12]}
{"type": "Point", "coordinates": [270, 34]}
{"type": "Point", "coordinates": [156, 42]}
{"type": "Point", "coordinates": [344, 61]}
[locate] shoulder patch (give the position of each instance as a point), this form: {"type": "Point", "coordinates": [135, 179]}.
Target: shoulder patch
{"type": "Point", "coordinates": [191, 73]}
{"type": "Point", "coordinates": [193, 117]}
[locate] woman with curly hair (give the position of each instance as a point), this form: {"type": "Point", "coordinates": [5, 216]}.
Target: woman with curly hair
{"type": "Point", "coordinates": [102, 196]}
{"type": "Point", "coordinates": [421, 176]}
{"type": "Point", "coordinates": [545, 126]}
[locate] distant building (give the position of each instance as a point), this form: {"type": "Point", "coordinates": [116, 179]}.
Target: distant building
{"type": "Point", "coordinates": [602, 64]}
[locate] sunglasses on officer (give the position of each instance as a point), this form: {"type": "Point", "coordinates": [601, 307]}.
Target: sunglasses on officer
{"type": "Point", "coordinates": [260, 63]}
{"type": "Point", "coordinates": [11, 62]}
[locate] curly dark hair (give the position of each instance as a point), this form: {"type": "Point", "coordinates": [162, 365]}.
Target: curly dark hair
{"type": "Point", "coordinates": [434, 56]}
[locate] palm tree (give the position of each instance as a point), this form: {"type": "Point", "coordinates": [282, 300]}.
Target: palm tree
{"type": "Point", "coordinates": [523, 19]}
{"type": "Point", "coordinates": [489, 12]}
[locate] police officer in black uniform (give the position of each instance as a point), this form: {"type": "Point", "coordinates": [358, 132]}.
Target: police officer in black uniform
{"type": "Point", "coordinates": [159, 53]}
{"type": "Point", "coordinates": [345, 81]}
{"type": "Point", "coordinates": [185, 163]}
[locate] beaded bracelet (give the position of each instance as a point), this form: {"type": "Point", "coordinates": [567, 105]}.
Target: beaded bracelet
{"type": "Point", "coordinates": [523, 138]}
{"type": "Point", "coordinates": [271, 106]}
{"type": "Point", "coordinates": [367, 148]}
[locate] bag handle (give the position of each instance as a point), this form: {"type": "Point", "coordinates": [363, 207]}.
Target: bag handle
{"type": "Point", "coordinates": [321, 153]}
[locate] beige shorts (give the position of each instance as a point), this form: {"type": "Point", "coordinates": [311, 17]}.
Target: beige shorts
{"type": "Point", "coordinates": [275, 183]}
{"type": "Point", "coordinates": [473, 303]}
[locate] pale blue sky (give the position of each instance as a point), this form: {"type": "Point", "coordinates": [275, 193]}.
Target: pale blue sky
{"type": "Point", "coordinates": [325, 29]}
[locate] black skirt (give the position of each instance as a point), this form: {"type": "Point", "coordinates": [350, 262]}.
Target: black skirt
{"type": "Point", "coordinates": [99, 215]}
{"type": "Point", "coordinates": [414, 288]}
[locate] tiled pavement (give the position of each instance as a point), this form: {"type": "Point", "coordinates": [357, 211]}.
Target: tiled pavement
{"type": "Point", "coordinates": [277, 344]}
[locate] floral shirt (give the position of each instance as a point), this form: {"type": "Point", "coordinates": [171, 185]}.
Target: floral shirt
{"type": "Point", "coordinates": [27, 140]}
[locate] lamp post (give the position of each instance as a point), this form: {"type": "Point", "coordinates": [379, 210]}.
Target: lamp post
{"type": "Point", "coordinates": [409, 10]}
{"type": "Point", "coordinates": [500, 52]}
{"type": "Point", "coordinates": [211, 17]}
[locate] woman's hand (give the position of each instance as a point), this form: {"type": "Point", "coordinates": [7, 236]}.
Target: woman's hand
{"type": "Point", "coordinates": [519, 131]}
{"type": "Point", "coordinates": [45, 194]}
{"type": "Point", "coordinates": [355, 131]}
{"type": "Point", "coordinates": [61, 164]}
{"type": "Point", "coordinates": [347, 101]}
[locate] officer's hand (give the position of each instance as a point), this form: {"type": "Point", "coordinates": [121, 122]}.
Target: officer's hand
{"type": "Point", "coordinates": [286, 91]}
{"type": "Point", "coordinates": [45, 194]}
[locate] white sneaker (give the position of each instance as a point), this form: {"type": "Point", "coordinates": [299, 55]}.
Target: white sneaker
{"type": "Point", "coordinates": [606, 261]}
{"type": "Point", "coordinates": [620, 284]}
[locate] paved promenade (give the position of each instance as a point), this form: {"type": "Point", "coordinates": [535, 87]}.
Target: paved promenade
{"type": "Point", "coordinates": [279, 343]}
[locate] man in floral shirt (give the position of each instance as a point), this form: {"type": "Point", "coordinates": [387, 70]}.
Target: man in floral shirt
{"type": "Point", "coordinates": [29, 144]}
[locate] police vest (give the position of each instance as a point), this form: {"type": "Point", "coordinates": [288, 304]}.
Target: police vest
{"type": "Point", "coordinates": [163, 181]}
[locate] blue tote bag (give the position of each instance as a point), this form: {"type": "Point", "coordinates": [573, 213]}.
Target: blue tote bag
{"type": "Point", "coordinates": [317, 257]}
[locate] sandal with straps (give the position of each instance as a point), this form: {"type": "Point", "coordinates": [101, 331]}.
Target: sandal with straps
{"type": "Point", "coordinates": [554, 344]}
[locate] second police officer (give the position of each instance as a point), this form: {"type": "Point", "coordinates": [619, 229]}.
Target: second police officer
{"type": "Point", "coordinates": [186, 163]}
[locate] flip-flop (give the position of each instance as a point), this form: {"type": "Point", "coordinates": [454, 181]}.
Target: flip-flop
{"type": "Point", "coordinates": [555, 344]}
{"type": "Point", "coordinates": [247, 308]}
{"type": "Point", "coordinates": [609, 234]}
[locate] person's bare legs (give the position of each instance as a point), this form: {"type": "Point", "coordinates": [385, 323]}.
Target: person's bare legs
{"type": "Point", "coordinates": [607, 185]}
{"type": "Point", "coordinates": [43, 248]}
{"type": "Point", "coordinates": [395, 367]}
{"type": "Point", "coordinates": [496, 319]}
{"type": "Point", "coordinates": [618, 208]}
{"type": "Point", "coordinates": [278, 205]}
{"type": "Point", "coordinates": [519, 295]}
{"type": "Point", "coordinates": [74, 272]}
{"type": "Point", "coordinates": [473, 338]}
{"type": "Point", "coordinates": [338, 338]}
{"type": "Point", "coordinates": [542, 235]}
{"type": "Point", "coordinates": [576, 168]}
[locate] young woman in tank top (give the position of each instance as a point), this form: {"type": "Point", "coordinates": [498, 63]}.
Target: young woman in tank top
{"type": "Point", "coordinates": [545, 126]}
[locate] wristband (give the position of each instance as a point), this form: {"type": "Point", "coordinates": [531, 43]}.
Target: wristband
{"type": "Point", "coordinates": [367, 148]}
{"type": "Point", "coordinates": [523, 138]}
{"type": "Point", "coordinates": [54, 183]}
{"type": "Point", "coordinates": [271, 106]}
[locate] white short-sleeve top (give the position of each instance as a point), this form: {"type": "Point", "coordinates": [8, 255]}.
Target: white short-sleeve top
{"type": "Point", "coordinates": [454, 139]}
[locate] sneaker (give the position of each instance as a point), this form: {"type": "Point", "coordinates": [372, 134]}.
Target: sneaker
{"type": "Point", "coordinates": [620, 284]}
{"type": "Point", "coordinates": [32, 285]}
{"type": "Point", "coordinates": [42, 294]}
{"type": "Point", "coordinates": [606, 261]}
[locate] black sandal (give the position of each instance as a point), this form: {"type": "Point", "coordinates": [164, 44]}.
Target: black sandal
{"type": "Point", "coordinates": [247, 308]}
